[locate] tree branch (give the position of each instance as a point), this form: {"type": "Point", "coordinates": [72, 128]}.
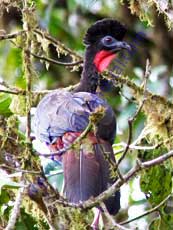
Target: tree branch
{"type": "Point", "coordinates": [132, 119]}
{"type": "Point", "coordinates": [34, 93]}
{"type": "Point", "coordinates": [57, 43]}
{"type": "Point", "coordinates": [53, 61]}
{"type": "Point", "coordinates": [50, 60]}
{"type": "Point", "coordinates": [111, 219]}
{"type": "Point", "coordinates": [11, 36]}
{"type": "Point", "coordinates": [147, 212]}
{"type": "Point", "coordinates": [19, 170]}
{"type": "Point", "coordinates": [165, 8]}
{"type": "Point", "coordinates": [15, 211]}
{"type": "Point", "coordinates": [94, 201]}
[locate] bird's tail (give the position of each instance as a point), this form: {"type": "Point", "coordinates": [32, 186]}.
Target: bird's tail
{"type": "Point", "coordinates": [87, 171]}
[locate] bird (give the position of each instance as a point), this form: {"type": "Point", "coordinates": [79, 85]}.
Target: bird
{"type": "Point", "coordinates": [61, 116]}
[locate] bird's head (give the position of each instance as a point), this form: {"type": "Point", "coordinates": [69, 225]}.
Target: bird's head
{"type": "Point", "coordinates": [104, 39]}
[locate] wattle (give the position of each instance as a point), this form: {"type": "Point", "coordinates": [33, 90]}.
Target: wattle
{"type": "Point", "coordinates": [102, 59]}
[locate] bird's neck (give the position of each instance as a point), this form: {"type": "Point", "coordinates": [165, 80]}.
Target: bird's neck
{"type": "Point", "coordinates": [90, 75]}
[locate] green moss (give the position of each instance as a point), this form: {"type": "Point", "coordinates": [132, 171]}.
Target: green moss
{"type": "Point", "coordinates": [18, 105]}
{"type": "Point", "coordinates": [70, 218]}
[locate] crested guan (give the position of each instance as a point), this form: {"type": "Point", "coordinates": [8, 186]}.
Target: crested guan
{"type": "Point", "coordinates": [61, 117]}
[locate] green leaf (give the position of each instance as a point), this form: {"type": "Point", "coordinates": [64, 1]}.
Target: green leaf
{"type": "Point", "coordinates": [4, 199]}
{"type": "Point", "coordinates": [5, 101]}
{"type": "Point", "coordinates": [157, 182]}
{"type": "Point", "coordinates": [26, 222]}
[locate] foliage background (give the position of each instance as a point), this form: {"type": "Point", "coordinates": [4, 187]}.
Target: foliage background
{"type": "Point", "coordinates": [67, 21]}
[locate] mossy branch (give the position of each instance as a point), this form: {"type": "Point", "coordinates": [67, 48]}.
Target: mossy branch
{"type": "Point", "coordinates": [139, 166]}
{"type": "Point", "coordinates": [144, 10]}
{"type": "Point", "coordinates": [158, 110]}
{"type": "Point", "coordinates": [16, 210]}
{"type": "Point", "coordinates": [57, 43]}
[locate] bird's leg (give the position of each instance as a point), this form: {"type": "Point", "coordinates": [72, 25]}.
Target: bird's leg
{"type": "Point", "coordinates": [95, 223]}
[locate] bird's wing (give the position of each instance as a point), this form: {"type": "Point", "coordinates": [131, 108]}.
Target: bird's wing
{"type": "Point", "coordinates": [57, 114]}
{"type": "Point", "coordinates": [61, 111]}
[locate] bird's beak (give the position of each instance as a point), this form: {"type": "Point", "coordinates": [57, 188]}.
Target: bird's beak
{"type": "Point", "coordinates": [121, 45]}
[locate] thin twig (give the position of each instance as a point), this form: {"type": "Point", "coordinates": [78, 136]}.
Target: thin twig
{"type": "Point", "coordinates": [15, 211]}
{"type": "Point", "coordinates": [22, 92]}
{"type": "Point", "coordinates": [11, 36]}
{"type": "Point", "coordinates": [112, 163]}
{"type": "Point", "coordinates": [55, 61]}
{"type": "Point", "coordinates": [134, 145]}
{"type": "Point", "coordinates": [3, 83]}
{"type": "Point", "coordinates": [12, 92]}
{"type": "Point", "coordinates": [111, 219]}
{"type": "Point", "coordinates": [147, 212]}
{"type": "Point", "coordinates": [132, 119]}
{"type": "Point", "coordinates": [19, 170]}
{"type": "Point", "coordinates": [138, 147]}
{"type": "Point", "coordinates": [9, 89]}
{"type": "Point", "coordinates": [131, 100]}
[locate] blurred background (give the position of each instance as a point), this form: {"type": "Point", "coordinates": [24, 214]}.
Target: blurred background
{"type": "Point", "coordinates": [67, 21]}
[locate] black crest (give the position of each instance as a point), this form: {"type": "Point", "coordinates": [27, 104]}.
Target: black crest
{"type": "Point", "coordinates": [102, 28]}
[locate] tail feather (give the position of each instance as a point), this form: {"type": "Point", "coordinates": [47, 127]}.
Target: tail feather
{"type": "Point", "coordinates": [113, 202]}
{"type": "Point", "coordinates": [80, 175]}
{"type": "Point", "coordinates": [86, 173]}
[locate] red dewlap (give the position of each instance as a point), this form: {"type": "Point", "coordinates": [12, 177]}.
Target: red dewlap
{"type": "Point", "coordinates": [102, 59]}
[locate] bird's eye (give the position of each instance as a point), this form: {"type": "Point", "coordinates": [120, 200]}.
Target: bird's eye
{"type": "Point", "coordinates": [108, 39]}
